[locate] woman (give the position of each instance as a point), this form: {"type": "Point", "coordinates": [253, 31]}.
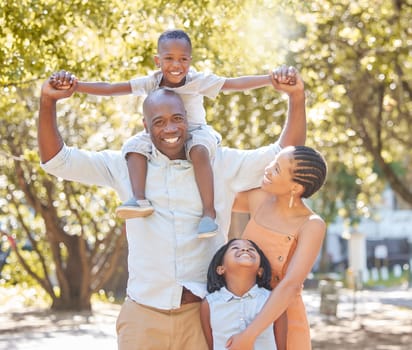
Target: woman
{"type": "Point", "coordinates": [291, 235]}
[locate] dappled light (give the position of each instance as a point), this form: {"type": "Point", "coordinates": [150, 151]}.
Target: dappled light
{"type": "Point", "coordinates": [355, 59]}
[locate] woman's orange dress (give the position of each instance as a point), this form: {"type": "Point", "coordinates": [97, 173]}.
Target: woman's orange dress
{"type": "Point", "coordinates": [279, 249]}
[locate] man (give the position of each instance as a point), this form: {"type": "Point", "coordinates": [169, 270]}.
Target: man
{"type": "Point", "coordinates": [167, 262]}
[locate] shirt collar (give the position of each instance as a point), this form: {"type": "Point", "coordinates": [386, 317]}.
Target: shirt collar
{"type": "Point", "coordinates": [159, 157]}
{"type": "Point", "coordinates": [228, 296]}
{"type": "Point", "coordinates": [158, 75]}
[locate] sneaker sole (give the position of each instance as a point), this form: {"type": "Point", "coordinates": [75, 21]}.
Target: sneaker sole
{"type": "Point", "coordinates": [206, 234]}
{"type": "Point", "coordinates": [132, 213]}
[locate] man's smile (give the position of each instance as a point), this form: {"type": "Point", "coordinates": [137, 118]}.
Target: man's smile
{"type": "Point", "coordinates": [171, 140]}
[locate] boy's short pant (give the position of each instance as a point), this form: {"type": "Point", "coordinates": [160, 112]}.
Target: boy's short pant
{"type": "Point", "coordinates": [203, 135]}
{"type": "Point", "coordinates": [141, 327]}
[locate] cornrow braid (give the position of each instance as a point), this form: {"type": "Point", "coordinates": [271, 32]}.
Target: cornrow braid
{"type": "Point", "coordinates": [174, 34]}
{"type": "Point", "coordinates": [310, 169]}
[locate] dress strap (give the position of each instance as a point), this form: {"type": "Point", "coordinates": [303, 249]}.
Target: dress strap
{"type": "Point", "coordinates": [304, 221]}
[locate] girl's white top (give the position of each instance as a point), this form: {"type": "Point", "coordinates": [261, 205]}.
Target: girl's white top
{"type": "Point", "coordinates": [230, 314]}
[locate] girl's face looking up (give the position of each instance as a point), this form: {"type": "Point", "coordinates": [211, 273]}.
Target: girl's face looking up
{"type": "Point", "coordinates": [240, 253]}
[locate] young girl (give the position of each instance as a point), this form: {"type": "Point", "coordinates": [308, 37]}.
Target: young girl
{"type": "Point", "coordinates": [290, 235]}
{"type": "Point", "coordinates": [173, 60]}
{"type": "Point", "coordinates": [238, 279]}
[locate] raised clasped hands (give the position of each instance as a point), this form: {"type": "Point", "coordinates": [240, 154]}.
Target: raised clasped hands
{"type": "Point", "coordinates": [60, 85]}
{"type": "Point", "coordinates": [287, 79]}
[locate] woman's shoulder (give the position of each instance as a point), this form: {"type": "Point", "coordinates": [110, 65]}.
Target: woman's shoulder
{"type": "Point", "coordinates": [313, 223]}
{"type": "Point", "coordinates": [316, 218]}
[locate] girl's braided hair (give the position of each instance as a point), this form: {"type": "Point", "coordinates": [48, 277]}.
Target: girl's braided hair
{"type": "Point", "coordinates": [310, 169]}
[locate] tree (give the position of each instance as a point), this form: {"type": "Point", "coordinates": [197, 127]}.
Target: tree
{"type": "Point", "coordinates": [355, 58]}
{"type": "Point", "coordinates": [74, 240]}
{"type": "Point", "coordinates": [75, 243]}
{"type": "Point", "coordinates": [358, 55]}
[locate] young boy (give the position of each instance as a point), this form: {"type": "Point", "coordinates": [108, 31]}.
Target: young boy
{"type": "Point", "coordinates": [174, 56]}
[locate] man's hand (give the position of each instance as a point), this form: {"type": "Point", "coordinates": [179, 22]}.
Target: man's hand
{"type": "Point", "coordinates": [287, 79]}
{"type": "Point", "coordinates": [62, 80]}
{"type": "Point", "coordinates": [60, 85]}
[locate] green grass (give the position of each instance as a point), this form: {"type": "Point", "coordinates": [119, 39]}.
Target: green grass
{"type": "Point", "coordinates": [392, 281]}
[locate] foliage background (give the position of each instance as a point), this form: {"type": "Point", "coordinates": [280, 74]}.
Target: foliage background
{"type": "Point", "coordinates": [354, 56]}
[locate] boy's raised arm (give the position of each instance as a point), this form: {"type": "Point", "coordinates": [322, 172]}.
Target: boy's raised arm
{"type": "Point", "coordinates": [246, 82]}
{"type": "Point", "coordinates": [104, 89]}
{"type": "Point", "coordinates": [100, 88]}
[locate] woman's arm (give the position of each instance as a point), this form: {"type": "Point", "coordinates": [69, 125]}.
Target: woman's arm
{"type": "Point", "coordinates": [205, 320]}
{"type": "Point", "coordinates": [281, 331]}
{"type": "Point", "coordinates": [241, 204]}
{"type": "Point", "coordinates": [249, 201]}
{"type": "Point", "coordinates": [309, 243]}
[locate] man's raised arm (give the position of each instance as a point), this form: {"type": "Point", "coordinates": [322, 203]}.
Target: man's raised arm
{"type": "Point", "coordinates": [48, 136]}
{"type": "Point", "coordinates": [294, 129]}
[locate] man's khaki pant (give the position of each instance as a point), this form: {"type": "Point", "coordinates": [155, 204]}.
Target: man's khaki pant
{"type": "Point", "coordinates": [144, 328]}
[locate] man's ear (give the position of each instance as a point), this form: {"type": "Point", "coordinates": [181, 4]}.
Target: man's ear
{"type": "Point", "coordinates": [220, 270]}
{"type": "Point", "coordinates": [156, 60]}
{"type": "Point", "coordinates": [145, 125]}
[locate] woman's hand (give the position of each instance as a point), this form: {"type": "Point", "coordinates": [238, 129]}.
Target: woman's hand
{"type": "Point", "coordinates": [240, 341]}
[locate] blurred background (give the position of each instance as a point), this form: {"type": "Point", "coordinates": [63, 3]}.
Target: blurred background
{"type": "Point", "coordinates": [62, 241]}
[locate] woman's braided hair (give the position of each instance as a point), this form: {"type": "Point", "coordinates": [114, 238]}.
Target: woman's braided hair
{"type": "Point", "coordinates": [309, 170]}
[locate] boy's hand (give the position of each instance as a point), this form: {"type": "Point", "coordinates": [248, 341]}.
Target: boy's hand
{"type": "Point", "coordinates": [62, 80]}
{"type": "Point", "coordinates": [67, 80]}
{"type": "Point", "coordinates": [285, 75]}
{"type": "Point", "coordinates": [286, 79]}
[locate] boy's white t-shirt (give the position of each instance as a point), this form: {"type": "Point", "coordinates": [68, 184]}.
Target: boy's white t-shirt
{"type": "Point", "coordinates": [197, 85]}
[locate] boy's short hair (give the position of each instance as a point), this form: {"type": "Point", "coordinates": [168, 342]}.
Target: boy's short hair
{"type": "Point", "coordinates": [174, 34]}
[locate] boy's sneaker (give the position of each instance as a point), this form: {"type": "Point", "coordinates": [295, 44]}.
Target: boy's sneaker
{"type": "Point", "coordinates": [207, 227]}
{"type": "Point", "coordinates": [134, 208]}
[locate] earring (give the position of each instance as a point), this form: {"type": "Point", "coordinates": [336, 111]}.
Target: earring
{"type": "Point", "coordinates": [291, 200]}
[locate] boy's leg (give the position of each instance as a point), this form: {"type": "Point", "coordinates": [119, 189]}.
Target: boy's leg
{"type": "Point", "coordinates": [204, 179]}
{"type": "Point", "coordinates": [137, 206]}
{"type": "Point", "coordinates": [137, 167]}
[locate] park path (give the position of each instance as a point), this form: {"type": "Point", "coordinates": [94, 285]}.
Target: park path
{"type": "Point", "coordinates": [378, 320]}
